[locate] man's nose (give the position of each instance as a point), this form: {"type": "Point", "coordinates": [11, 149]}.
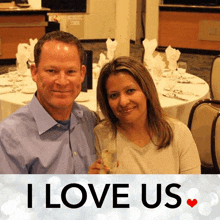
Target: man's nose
{"type": "Point", "coordinates": [62, 78]}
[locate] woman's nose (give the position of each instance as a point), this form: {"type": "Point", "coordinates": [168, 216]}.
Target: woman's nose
{"type": "Point", "coordinates": [124, 100]}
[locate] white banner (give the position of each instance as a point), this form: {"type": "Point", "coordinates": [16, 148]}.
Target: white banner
{"type": "Point", "coordinates": [110, 197]}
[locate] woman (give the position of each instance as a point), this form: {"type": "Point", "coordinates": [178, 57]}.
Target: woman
{"type": "Point", "coordinates": [135, 126]}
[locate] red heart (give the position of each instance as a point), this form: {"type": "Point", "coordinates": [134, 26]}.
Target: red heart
{"type": "Point", "coordinates": [191, 202]}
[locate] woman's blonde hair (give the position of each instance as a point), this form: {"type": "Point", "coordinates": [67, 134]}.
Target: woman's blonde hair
{"type": "Point", "coordinates": [155, 117]}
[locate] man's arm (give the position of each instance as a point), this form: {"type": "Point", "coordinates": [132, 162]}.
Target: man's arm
{"type": "Point", "coordinates": [8, 165]}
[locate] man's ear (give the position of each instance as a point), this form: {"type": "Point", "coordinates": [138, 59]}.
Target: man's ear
{"type": "Point", "coordinates": [34, 72]}
{"type": "Point", "coordinates": [83, 73]}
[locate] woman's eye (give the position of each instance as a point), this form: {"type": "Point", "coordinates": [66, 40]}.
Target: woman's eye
{"type": "Point", "coordinates": [129, 91]}
{"type": "Point", "coordinates": [113, 96]}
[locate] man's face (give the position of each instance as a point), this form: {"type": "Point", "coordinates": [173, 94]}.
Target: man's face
{"type": "Point", "coordinates": [58, 77]}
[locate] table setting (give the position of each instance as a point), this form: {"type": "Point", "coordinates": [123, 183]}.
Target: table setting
{"type": "Point", "coordinates": [178, 90]}
{"type": "Point", "coordinates": [13, 82]}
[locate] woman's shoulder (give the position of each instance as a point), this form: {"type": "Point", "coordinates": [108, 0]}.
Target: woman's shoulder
{"type": "Point", "coordinates": [177, 125]}
{"type": "Point", "coordinates": [103, 127]}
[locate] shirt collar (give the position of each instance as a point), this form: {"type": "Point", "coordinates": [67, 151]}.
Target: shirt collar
{"type": "Point", "coordinates": [44, 120]}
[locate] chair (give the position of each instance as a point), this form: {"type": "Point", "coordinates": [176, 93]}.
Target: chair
{"type": "Point", "coordinates": [87, 83]}
{"type": "Point", "coordinates": [201, 120]}
{"type": "Point", "coordinates": [215, 141]}
{"type": "Point", "coordinates": [215, 78]}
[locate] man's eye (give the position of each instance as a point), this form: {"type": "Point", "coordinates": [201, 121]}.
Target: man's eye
{"type": "Point", "coordinates": [71, 72]}
{"type": "Point", "coordinates": [50, 71]}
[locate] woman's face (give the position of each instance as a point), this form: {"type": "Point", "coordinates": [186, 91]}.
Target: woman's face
{"type": "Point", "coordinates": [126, 99]}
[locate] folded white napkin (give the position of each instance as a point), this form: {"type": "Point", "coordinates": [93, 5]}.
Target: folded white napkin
{"type": "Point", "coordinates": [159, 65]}
{"type": "Point", "coordinates": [173, 56]}
{"type": "Point", "coordinates": [25, 53]}
{"type": "Point", "coordinates": [149, 48]}
{"type": "Point", "coordinates": [102, 60]}
{"type": "Point", "coordinates": [111, 47]}
{"type": "Point", "coordinates": [31, 49]}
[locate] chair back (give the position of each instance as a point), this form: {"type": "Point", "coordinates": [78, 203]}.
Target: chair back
{"type": "Point", "coordinates": [216, 142]}
{"type": "Point", "coordinates": [200, 123]}
{"type": "Point", "coordinates": [215, 78]}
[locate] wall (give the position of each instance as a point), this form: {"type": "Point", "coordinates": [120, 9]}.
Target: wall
{"type": "Point", "coordinates": [191, 30]}
{"type": "Point", "coordinates": [152, 19]}
{"type": "Point", "coordinates": [99, 21]}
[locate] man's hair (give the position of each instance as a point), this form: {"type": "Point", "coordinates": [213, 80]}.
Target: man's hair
{"type": "Point", "coordinates": [58, 36]}
{"type": "Point", "coordinates": [155, 117]}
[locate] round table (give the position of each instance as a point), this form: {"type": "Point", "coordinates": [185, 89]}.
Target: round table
{"type": "Point", "coordinates": [194, 89]}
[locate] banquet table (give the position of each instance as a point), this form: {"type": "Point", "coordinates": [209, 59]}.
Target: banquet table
{"type": "Point", "coordinates": [193, 89]}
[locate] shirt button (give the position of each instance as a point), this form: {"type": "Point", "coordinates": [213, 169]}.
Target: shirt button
{"type": "Point", "coordinates": [75, 153]}
{"type": "Point", "coordinates": [58, 125]}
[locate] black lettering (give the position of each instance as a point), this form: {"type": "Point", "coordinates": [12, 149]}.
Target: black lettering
{"type": "Point", "coordinates": [29, 197]}
{"type": "Point", "coordinates": [178, 198]}
{"type": "Point", "coordinates": [99, 202]}
{"type": "Point", "coordinates": [116, 195]}
{"type": "Point", "coordinates": [83, 191]}
{"type": "Point", "coordinates": [144, 195]}
{"type": "Point", "coordinates": [48, 204]}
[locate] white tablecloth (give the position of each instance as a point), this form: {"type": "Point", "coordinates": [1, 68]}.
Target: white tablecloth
{"type": "Point", "coordinates": [10, 102]}
{"type": "Point", "coordinates": [194, 89]}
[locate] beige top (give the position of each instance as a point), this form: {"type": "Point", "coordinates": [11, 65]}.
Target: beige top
{"type": "Point", "coordinates": [181, 157]}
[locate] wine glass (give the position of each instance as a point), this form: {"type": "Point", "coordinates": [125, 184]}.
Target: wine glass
{"type": "Point", "coordinates": [171, 80]}
{"type": "Point", "coordinates": [109, 159]}
{"type": "Point", "coordinates": [22, 69]}
{"type": "Point", "coordinates": [157, 75]}
{"type": "Point", "coordinates": [13, 75]}
{"type": "Point", "coordinates": [182, 66]}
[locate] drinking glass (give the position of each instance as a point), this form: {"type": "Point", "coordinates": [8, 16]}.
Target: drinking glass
{"type": "Point", "coordinates": [182, 66]}
{"type": "Point", "coordinates": [13, 75]}
{"type": "Point", "coordinates": [109, 159]}
{"type": "Point", "coordinates": [21, 69]}
{"type": "Point", "coordinates": [157, 75]}
{"type": "Point", "coordinates": [171, 80]}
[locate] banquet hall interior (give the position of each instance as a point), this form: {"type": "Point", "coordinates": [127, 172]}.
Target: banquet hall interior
{"type": "Point", "coordinates": [190, 28]}
{"type": "Point", "coordinates": [145, 16]}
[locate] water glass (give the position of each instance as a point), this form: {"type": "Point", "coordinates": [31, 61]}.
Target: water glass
{"type": "Point", "coordinates": [171, 80]}
{"type": "Point", "coordinates": [13, 75]}
{"type": "Point", "coordinates": [182, 66]}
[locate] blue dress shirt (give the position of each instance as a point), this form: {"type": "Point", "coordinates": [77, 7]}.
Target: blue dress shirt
{"type": "Point", "coordinates": [31, 141]}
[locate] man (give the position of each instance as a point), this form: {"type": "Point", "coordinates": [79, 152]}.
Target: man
{"type": "Point", "coordinates": [52, 134]}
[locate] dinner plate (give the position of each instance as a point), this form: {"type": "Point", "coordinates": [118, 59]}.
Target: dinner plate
{"type": "Point", "coordinates": [82, 97]}
{"type": "Point", "coordinates": [5, 90]}
{"type": "Point", "coordinates": [28, 90]}
{"type": "Point", "coordinates": [5, 82]}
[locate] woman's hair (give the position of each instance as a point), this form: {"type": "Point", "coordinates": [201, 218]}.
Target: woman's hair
{"type": "Point", "coordinates": [157, 123]}
{"type": "Point", "coordinates": [62, 36]}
